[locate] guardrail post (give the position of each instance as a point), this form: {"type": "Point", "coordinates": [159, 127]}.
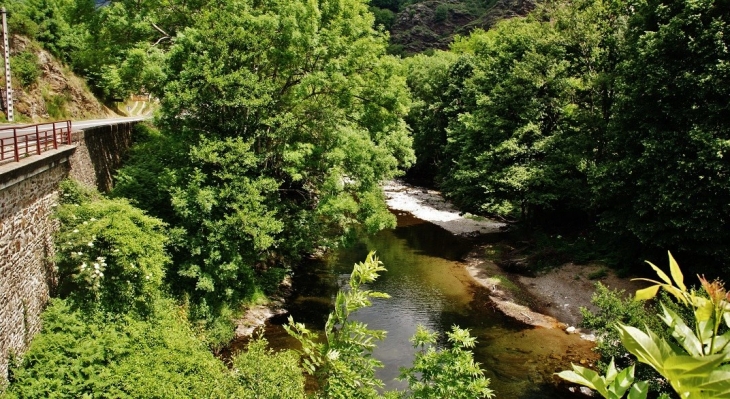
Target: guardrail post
{"type": "Point", "coordinates": [55, 140]}
{"type": "Point", "coordinates": [15, 145]}
{"type": "Point", "coordinates": [37, 140]}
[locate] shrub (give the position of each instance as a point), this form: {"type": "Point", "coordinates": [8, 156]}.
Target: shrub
{"type": "Point", "coordinates": [25, 68]}
{"type": "Point", "coordinates": [263, 373]}
{"type": "Point", "coordinates": [615, 307]}
{"type": "Point", "coordinates": [103, 355]}
{"type": "Point", "coordinates": [694, 362]}
{"type": "Point", "coordinates": [383, 16]}
{"type": "Point", "coordinates": [441, 13]}
{"type": "Point", "coordinates": [109, 253]}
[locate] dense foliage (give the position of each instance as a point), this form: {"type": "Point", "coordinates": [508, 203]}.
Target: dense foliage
{"type": "Point", "coordinates": [284, 119]}
{"type": "Point", "coordinates": [111, 355]}
{"type": "Point", "coordinates": [110, 254]}
{"type": "Point", "coordinates": [555, 118]}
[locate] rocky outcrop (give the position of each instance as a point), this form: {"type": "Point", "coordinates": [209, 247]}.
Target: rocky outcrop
{"type": "Point", "coordinates": [424, 25]}
{"type": "Point", "coordinates": [56, 87]}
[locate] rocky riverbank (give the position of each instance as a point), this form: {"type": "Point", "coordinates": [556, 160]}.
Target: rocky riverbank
{"type": "Point", "coordinates": [550, 300]}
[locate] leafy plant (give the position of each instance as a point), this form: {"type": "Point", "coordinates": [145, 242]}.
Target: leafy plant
{"type": "Point", "coordinates": [263, 373]}
{"type": "Point", "coordinates": [615, 307]}
{"type": "Point", "coordinates": [441, 13]}
{"type": "Point", "coordinates": [447, 373]}
{"type": "Point", "coordinates": [343, 362]}
{"type": "Point", "coordinates": [25, 67]}
{"type": "Point", "coordinates": [109, 254]}
{"type": "Point", "coordinates": [611, 386]}
{"type": "Point", "coordinates": [102, 355]}
{"type": "Point", "coordinates": [696, 363]}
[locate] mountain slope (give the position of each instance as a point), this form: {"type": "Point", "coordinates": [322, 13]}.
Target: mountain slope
{"type": "Point", "coordinates": [432, 24]}
{"type": "Point", "coordinates": [46, 90]}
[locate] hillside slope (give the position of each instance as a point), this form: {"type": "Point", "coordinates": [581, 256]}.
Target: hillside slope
{"type": "Point", "coordinates": [432, 24]}
{"type": "Point", "coordinates": [46, 90]}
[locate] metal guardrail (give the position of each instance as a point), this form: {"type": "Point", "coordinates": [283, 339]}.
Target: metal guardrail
{"type": "Point", "coordinates": [18, 142]}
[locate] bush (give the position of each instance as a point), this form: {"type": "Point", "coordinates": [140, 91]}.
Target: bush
{"type": "Point", "coordinates": [25, 68]}
{"type": "Point", "coordinates": [263, 373]}
{"type": "Point", "coordinates": [109, 253]}
{"type": "Point", "coordinates": [56, 105]}
{"type": "Point", "coordinates": [383, 17]}
{"type": "Point", "coordinates": [442, 13]}
{"type": "Point", "coordinates": [104, 355]}
{"type": "Point", "coordinates": [615, 307]}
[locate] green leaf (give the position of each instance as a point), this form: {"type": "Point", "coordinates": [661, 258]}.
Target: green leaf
{"type": "Point", "coordinates": [623, 381]}
{"type": "Point", "coordinates": [586, 377]}
{"type": "Point", "coordinates": [660, 273]}
{"type": "Point", "coordinates": [646, 293]}
{"type": "Point", "coordinates": [676, 273]}
{"type": "Point", "coordinates": [681, 332]}
{"type": "Point", "coordinates": [639, 390]}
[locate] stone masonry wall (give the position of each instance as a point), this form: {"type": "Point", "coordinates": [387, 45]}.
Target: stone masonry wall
{"type": "Point", "coordinates": [26, 253]}
{"type": "Point", "coordinates": [99, 153]}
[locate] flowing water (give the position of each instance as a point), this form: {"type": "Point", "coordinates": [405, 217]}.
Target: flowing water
{"type": "Point", "coordinates": [429, 286]}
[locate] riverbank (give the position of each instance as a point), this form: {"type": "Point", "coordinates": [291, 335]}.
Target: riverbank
{"type": "Point", "coordinates": [430, 206]}
{"type": "Point", "coordinates": [549, 300]}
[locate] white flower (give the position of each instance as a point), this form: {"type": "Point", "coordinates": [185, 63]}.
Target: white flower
{"type": "Point", "coordinates": [96, 266]}
{"type": "Point", "coordinates": [91, 244]}
{"type": "Point", "coordinates": [93, 219]}
{"type": "Point", "coordinates": [147, 277]}
{"type": "Point", "coordinates": [76, 230]}
{"type": "Point", "coordinates": [83, 266]}
{"type": "Point", "coordinates": [85, 222]}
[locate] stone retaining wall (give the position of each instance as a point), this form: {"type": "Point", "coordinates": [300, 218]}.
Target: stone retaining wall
{"type": "Point", "coordinates": [99, 153]}
{"type": "Point", "coordinates": [26, 249]}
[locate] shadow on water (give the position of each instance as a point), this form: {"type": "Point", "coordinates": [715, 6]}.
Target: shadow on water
{"type": "Point", "coordinates": [429, 286]}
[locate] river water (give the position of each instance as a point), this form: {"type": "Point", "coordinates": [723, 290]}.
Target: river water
{"type": "Point", "coordinates": [429, 286]}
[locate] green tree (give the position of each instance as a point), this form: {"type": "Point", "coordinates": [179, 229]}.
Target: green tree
{"type": "Point", "coordinates": [663, 180]}
{"type": "Point", "coordinates": [507, 150]}
{"type": "Point", "coordinates": [294, 115]}
{"type": "Point", "coordinates": [436, 83]}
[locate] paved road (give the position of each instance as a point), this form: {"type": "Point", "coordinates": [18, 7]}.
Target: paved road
{"type": "Point", "coordinates": [75, 125]}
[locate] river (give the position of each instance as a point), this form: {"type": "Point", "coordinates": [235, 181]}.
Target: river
{"type": "Point", "coordinates": [429, 286]}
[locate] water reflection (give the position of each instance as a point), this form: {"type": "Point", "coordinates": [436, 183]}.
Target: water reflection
{"type": "Point", "coordinates": [428, 286]}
